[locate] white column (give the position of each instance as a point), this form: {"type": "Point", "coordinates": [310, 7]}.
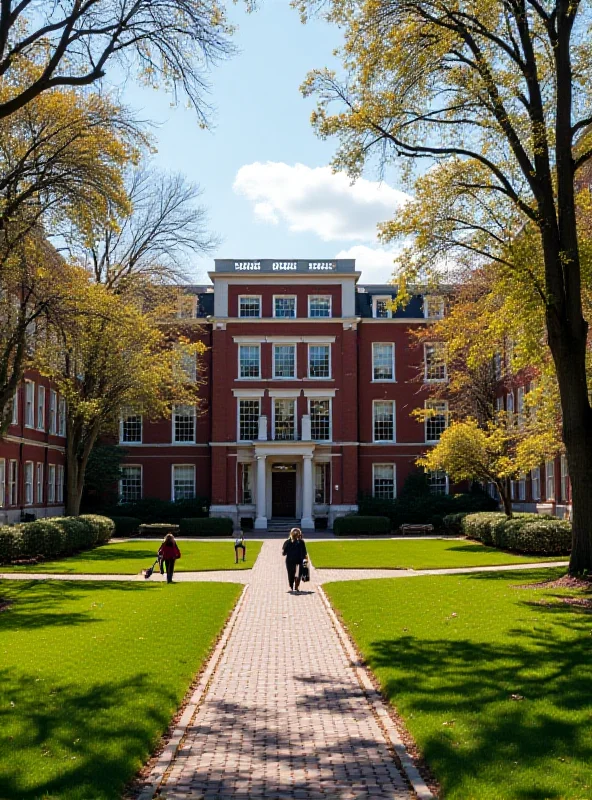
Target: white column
{"type": "Point", "coordinates": [307, 522]}
{"type": "Point", "coordinates": [260, 519]}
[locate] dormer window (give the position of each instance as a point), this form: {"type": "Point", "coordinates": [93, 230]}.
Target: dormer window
{"type": "Point", "coordinates": [186, 306]}
{"type": "Point", "coordinates": [433, 307]}
{"type": "Point", "coordinates": [381, 307]}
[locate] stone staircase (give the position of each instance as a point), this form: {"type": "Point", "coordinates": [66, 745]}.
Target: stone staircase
{"type": "Point", "coordinates": [282, 525]}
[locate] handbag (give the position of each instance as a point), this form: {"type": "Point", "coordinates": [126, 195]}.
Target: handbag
{"type": "Point", "coordinates": [304, 572]}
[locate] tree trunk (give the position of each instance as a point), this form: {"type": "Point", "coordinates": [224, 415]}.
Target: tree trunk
{"type": "Point", "coordinates": [79, 444]}
{"type": "Point", "coordinates": [503, 488]}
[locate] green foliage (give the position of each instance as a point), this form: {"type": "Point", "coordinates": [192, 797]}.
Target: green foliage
{"type": "Point", "coordinates": [206, 526]}
{"type": "Point", "coordinates": [452, 523]}
{"type": "Point", "coordinates": [103, 470]}
{"type": "Point", "coordinates": [53, 537]}
{"type": "Point", "coordinates": [158, 529]}
{"type": "Point", "coordinates": [151, 509]}
{"type": "Point", "coordinates": [125, 526]}
{"type": "Point", "coordinates": [356, 524]}
{"type": "Point", "coordinates": [524, 533]}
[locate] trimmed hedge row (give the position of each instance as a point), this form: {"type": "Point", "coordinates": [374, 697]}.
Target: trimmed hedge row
{"type": "Point", "coordinates": [358, 525]}
{"type": "Point", "coordinates": [151, 509]}
{"type": "Point", "coordinates": [206, 526]}
{"type": "Point", "coordinates": [524, 533]}
{"type": "Point", "coordinates": [52, 537]}
{"type": "Point", "coordinates": [125, 526]}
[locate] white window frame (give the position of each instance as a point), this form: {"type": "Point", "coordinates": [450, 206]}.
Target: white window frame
{"type": "Point", "coordinates": [248, 377]}
{"type": "Point", "coordinates": [246, 483]}
{"type": "Point", "coordinates": [134, 466]}
{"type": "Point", "coordinates": [173, 419]}
{"type": "Point", "coordinates": [238, 416]}
{"type": "Point", "coordinates": [128, 413]}
{"type": "Point", "coordinates": [29, 472]}
{"type": "Point", "coordinates": [294, 402]}
{"type": "Point", "coordinates": [385, 464]}
{"type": "Point", "coordinates": [435, 345]}
{"type": "Point", "coordinates": [2, 482]}
{"type": "Point", "coordinates": [430, 300]}
{"type": "Point", "coordinates": [564, 478]}
{"type": "Point", "coordinates": [39, 483]}
{"type": "Point", "coordinates": [378, 298]}
{"type": "Point", "coordinates": [394, 417]}
{"type": "Point", "coordinates": [550, 477]}
{"type": "Point", "coordinates": [322, 468]}
{"type": "Point", "coordinates": [29, 404]}
{"type": "Point", "coordinates": [273, 349]}
{"type": "Point", "coordinates": [53, 411]}
{"type": "Point", "coordinates": [62, 410]}
{"type": "Point", "coordinates": [186, 302]}
{"type": "Point", "coordinates": [176, 466]}
{"type": "Point", "coordinates": [432, 404]}
{"type": "Point", "coordinates": [384, 380]}
{"type": "Point", "coordinates": [320, 377]}
{"type": "Point", "coordinates": [446, 482]}
{"type": "Point", "coordinates": [285, 297]}
{"type": "Point", "coordinates": [13, 487]}
{"type": "Point", "coordinates": [535, 480]}
{"type": "Point", "coordinates": [312, 400]}
{"type": "Point", "coordinates": [187, 369]}
{"type": "Point", "coordinates": [51, 483]}
{"type": "Point", "coordinates": [328, 297]}
{"type": "Point", "coordinates": [522, 488]}
{"type": "Point", "coordinates": [249, 297]}
{"type": "Point", "coordinates": [40, 407]}
{"type": "Point", "coordinates": [15, 408]}
{"type": "Point", "coordinates": [60, 483]}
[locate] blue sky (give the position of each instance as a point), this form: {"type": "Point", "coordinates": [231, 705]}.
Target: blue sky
{"type": "Point", "coordinates": [265, 176]}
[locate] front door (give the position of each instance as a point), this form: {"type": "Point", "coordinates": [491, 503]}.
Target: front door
{"type": "Point", "coordinates": [283, 491]}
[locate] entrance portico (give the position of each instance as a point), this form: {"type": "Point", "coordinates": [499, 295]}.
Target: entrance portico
{"type": "Point", "coordinates": [284, 482]}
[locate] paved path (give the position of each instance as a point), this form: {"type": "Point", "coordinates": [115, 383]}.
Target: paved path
{"type": "Point", "coordinates": [218, 576]}
{"type": "Point", "coordinates": [285, 716]}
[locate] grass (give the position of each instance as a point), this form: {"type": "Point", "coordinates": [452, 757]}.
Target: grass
{"type": "Point", "coordinates": [129, 558]}
{"type": "Point", "coordinates": [449, 653]}
{"type": "Point", "coordinates": [411, 554]}
{"type": "Point", "coordinates": [91, 675]}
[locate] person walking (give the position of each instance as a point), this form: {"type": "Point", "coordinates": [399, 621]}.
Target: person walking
{"type": "Point", "coordinates": [294, 549]}
{"type": "Point", "coordinates": [169, 552]}
{"type": "Point", "coordinates": [239, 544]}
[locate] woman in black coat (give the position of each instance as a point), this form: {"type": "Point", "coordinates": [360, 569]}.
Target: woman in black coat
{"type": "Point", "coordinates": [294, 550]}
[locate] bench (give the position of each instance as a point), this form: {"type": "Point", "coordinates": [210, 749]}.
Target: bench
{"type": "Point", "coordinates": [416, 530]}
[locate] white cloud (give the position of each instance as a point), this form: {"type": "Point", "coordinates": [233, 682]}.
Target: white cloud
{"type": "Point", "coordinates": [375, 263]}
{"type": "Point", "coordinates": [317, 200]}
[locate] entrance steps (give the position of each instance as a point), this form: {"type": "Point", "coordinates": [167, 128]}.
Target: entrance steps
{"type": "Point", "coordinates": [282, 525]}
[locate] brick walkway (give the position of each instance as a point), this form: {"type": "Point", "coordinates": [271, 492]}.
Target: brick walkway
{"type": "Point", "coordinates": [284, 716]}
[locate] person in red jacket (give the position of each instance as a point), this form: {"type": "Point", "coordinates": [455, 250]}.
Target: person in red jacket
{"type": "Point", "coordinates": [169, 553]}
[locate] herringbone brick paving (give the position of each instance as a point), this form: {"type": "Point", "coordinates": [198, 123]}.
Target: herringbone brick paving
{"type": "Point", "coordinates": [284, 716]}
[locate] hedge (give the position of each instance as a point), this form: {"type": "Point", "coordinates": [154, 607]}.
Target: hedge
{"type": "Point", "coordinates": [159, 529]}
{"type": "Point", "coordinates": [151, 509]}
{"type": "Point", "coordinates": [206, 526]}
{"type": "Point", "coordinates": [452, 523]}
{"type": "Point", "coordinates": [524, 533]}
{"type": "Point", "coordinates": [53, 537]}
{"type": "Point", "coordinates": [357, 524]}
{"type": "Point", "coordinates": [125, 526]}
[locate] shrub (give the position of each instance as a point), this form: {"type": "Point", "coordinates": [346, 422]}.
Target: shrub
{"type": "Point", "coordinates": [159, 529]}
{"type": "Point", "coordinates": [151, 510]}
{"type": "Point", "coordinates": [206, 526]}
{"type": "Point", "coordinates": [52, 537]}
{"type": "Point", "coordinates": [452, 523]}
{"type": "Point", "coordinates": [125, 526]}
{"type": "Point", "coordinates": [357, 524]}
{"type": "Point", "coordinates": [524, 533]}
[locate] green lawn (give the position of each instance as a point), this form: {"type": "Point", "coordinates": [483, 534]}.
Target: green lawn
{"type": "Point", "coordinates": [91, 675]}
{"type": "Point", "coordinates": [450, 651]}
{"type": "Point", "coordinates": [129, 558]}
{"type": "Point", "coordinates": [412, 554]}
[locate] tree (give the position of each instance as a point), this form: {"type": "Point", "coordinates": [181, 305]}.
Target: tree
{"type": "Point", "coordinates": [72, 42]}
{"type": "Point", "coordinates": [111, 356]}
{"type": "Point", "coordinates": [103, 471]}
{"type": "Point", "coordinates": [495, 99]}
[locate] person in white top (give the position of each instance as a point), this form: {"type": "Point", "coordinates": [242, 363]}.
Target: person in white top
{"type": "Point", "coordinates": [239, 544]}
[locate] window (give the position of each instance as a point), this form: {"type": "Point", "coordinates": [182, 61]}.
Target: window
{"type": "Point", "coordinates": [186, 304]}
{"type": "Point", "coordinates": [535, 478]}
{"type": "Point", "coordinates": [41, 408]}
{"type": "Point", "coordinates": [437, 422]}
{"type": "Point", "coordinates": [284, 307]}
{"type": "Point", "coordinates": [183, 424]}
{"type": "Point", "coordinates": [130, 485]}
{"type": "Point", "coordinates": [383, 481]}
{"type": "Point", "coordinates": [550, 480]}
{"type": "Point", "coordinates": [433, 307]}
{"type": "Point", "coordinates": [319, 361]}
{"type": "Point", "coordinates": [438, 482]}
{"type": "Point", "coordinates": [497, 366]}
{"type": "Point", "coordinates": [522, 488]}
{"type": "Point", "coordinates": [321, 475]}
{"type": "Point", "coordinates": [249, 412]}
{"type": "Point", "coordinates": [249, 361]}
{"type": "Point", "coordinates": [383, 361]}
{"type": "Point", "coordinates": [284, 361]}
{"type": "Point", "coordinates": [29, 404]}
{"type": "Point", "coordinates": [384, 421]}
{"type": "Point", "coordinates": [28, 483]}
{"type": "Point", "coordinates": [435, 363]}
{"type": "Point", "coordinates": [249, 306]}
{"type": "Point", "coordinates": [51, 479]}
{"type": "Point", "coordinates": [60, 484]}
{"type": "Point", "coordinates": [246, 484]}
{"type": "Point", "coordinates": [62, 416]}
{"type": "Point", "coordinates": [39, 485]}
{"type": "Point", "coordinates": [130, 430]}
{"type": "Point", "coordinates": [381, 307]}
{"type": "Point", "coordinates": [13, 483]}
{"type": "Point", "coordinates": [14, 419]}
{"type": "Point", "coordinates": [185, 364]}
{"type": "Point", "coordinates": [520, 405]}
{"type": "Point", "coordinates": [320, 420]}
{"type": "Point", "coordinates": [513, 489]}
{"type": "Point", "coordinates": [183, 482]}
{"type": "Point", "coordinates": [284, 420]}
{"type": "Point", "coordinates": [564, 479]}
{"type": "Point", "coordinates": [319, 305]}
{"type": "Point", "coordinates": [53, 411]}
{"type": "Point", "coordinates": [2, 482]}
{"type": "Point", "coordinates": [510, 408]}
{"type": "Point", "coordinates": [499, 404]}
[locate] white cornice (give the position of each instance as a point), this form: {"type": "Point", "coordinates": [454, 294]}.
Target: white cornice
{"type": "Point", "coordinates": [262, 339]}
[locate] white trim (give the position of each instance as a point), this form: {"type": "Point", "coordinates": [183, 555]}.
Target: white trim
{"type": "Point", "coordinates": [174, 414]}
{"type": "Point", "coordinates": [246, 393]}
{"type": "Point", "coordinates": [39, 484]}
{"type": "Point", "coordinates": [310, 297]}
{"type": "Point", "coordinates": [282, 377]}
{"type": "Point", "coordinates": [121, 423]}
{"type": "Point", "coordinates": [394, 407]}
{"type": "Point", "coordinates": [316, 344]}
{"type": "Point", "coordinates": [13, 486]}
{"type": "Point", "coordinates": [384, 380]}
{"type": "Point", "coordinates": [251, 398]}
{"type": "Point", "coordinates": [319, 392]}
{"type": "Point", "coordinates": [425, 363]}
{"type": "Point", "coordinates": [385, 464]}
{"type": "Point", "coordinates": [30, 424]}
{"type": "Point", "coordinates": [284, 394]}
{"type": "Point", "coordinates": [51, 485]}
{"type": "Point", "coordinates": [283, 339]}
{"type": "Point", "coordinates": [238, 355]}
{"type": "Point", "coordinates": [41, 406]}
{"type": "Point", "coordinates": [430, 298]}
{"type": "Point", "coordinates": [252, 297]}
{"type": "Point", "coordinates": [293, 398]}
{"type": "Point", "coordinates": [53, 412]}
{"type": "Point", "coordinates": [375, 299]}
{"type": "Point", "coordinates": [330, 399]}
{"type": "Point", "coordinates": [125, 466]}
{"type": "Point", "coordinates": [29, 501]}
{"type": "Point", "coordinates": [173, 466]}
{"type": "Point", "coordinates": [284, 297]}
